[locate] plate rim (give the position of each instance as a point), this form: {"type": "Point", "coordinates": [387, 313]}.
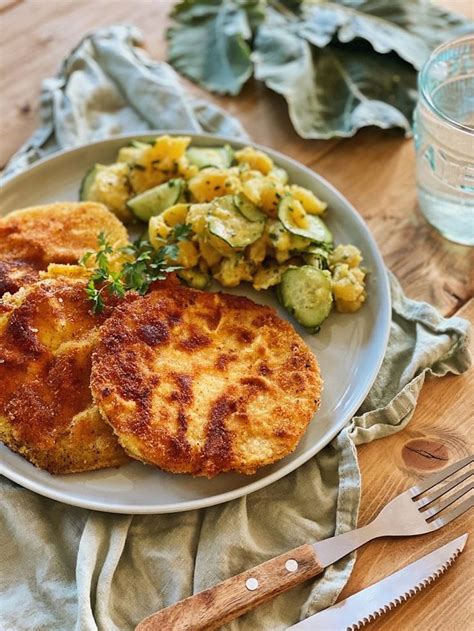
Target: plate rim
{"type": "Point", "coordinates": [251, 487]}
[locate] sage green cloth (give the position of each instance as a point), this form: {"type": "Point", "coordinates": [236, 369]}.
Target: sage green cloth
{"type": "Point", "coordinates": [65, 568]}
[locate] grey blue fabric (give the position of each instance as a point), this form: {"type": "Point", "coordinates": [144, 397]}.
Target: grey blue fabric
{"type": "Point", "coordinates": [108, 86]}
{"type": "Point", "coordinates": [65, 568]}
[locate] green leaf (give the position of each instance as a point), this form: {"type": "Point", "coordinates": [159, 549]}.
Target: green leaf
{"type": "Point", "coordinates": [340, 65]}
{"type": "Point", "coordinates": [181, 232]}
{"type": "Point", "coordinates": [85, 258]}
{"type": "Point", "coordinates": [410, 28]}
{"type": "Point", "coordinates": [100, 275]}
{"type": "Point", "coordinates": [209, 43]}
{"type": "Point", "coordinates": [420, 18]}
{"type": "Point", "coordinates": [336, 90]}
{"type": "Point", "coordinates": [94, 296]}
{"type": "Point", "coordinates": [170, 252]}
{"type": "Point", "coordinates": [145, 266]}
{"type": "Point", "coordinates": [188, 11]}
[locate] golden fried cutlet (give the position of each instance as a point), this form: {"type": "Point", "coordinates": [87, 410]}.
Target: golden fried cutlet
{"type": "Point", "coordinates": [47, 334]}
{"type": "Point", "coordinates": [202, 383]}
{"type": "Point", "coordinates": [55, 233]}
{"type": "Point", "coordinates": [16, 274]}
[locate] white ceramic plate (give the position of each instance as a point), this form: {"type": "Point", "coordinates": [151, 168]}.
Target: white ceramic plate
{"type": "Point", "coordinates": [349, 349]}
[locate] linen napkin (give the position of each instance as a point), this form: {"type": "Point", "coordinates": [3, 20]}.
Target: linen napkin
{"type": "Point", "coordinates": [65, 568]}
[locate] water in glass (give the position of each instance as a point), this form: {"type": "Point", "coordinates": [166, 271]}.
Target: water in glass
{"type": "Point", "coordinates": [444, 140]}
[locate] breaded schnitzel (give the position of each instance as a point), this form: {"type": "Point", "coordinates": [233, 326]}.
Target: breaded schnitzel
{"type": "Point", "coordinates": [47, 334]}
{"type": "Point", "coordinates": [203, 383]}
{"type": "Point", "coordinates": [32, 238]}
{"type": "Point", "coordinates": [16, 274]}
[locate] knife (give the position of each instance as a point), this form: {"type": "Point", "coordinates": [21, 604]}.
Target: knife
{"type": "Point", "coordinates": [357, 610]}
{"type": "Point", "coordinates": [419, 510]}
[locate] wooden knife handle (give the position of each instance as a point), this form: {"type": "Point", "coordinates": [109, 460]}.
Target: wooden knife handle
{"type": "Point", "coordinates": [235, 596]}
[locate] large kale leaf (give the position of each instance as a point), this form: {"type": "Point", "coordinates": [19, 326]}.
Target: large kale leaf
{"type": "Point", "coordinates": [340, 65]}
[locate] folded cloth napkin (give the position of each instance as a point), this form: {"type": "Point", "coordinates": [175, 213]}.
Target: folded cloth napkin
{"type": "Point", "coordinates": [68, 568]}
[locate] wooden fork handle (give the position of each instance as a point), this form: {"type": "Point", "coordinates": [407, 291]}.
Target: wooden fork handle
{"type": "Point", "coordinates": [235, 596]}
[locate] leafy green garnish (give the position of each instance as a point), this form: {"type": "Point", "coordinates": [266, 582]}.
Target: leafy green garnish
{"type": "Point", "coordinates": [143, 266]}
{"type": "Point", "coordinates": [340, 65]}
{"type": "Point", "coordinates": [181, 232]}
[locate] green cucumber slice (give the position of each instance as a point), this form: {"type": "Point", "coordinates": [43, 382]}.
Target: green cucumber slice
{"type": "Point", "coordinates": [142, 144]}
{"type": "Point", "coordinates": [132, 152]}
{"type": "Point", "coordinates": [129, 154]}
{"type": "Point", "coordinates": [306, 294]}
{"type": "Point", "coordinates": [317, 230]}
{"type": "Point", "coordinates": [156, 200]}
{"type": "Point", "coordinates": [279, 174]}
{"type": "Point", "coordinates": [219, 157]}
{"type": "Point", "coordinates": [248, 209]}
{"type": "Point", "coordinates": [227, 223]}
{"type": "Point", "coordinates": [317, 255]}
{"type": "Point", "coordinates": [88, 180]}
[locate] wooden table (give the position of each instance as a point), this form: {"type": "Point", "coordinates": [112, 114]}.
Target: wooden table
{"type": "Point", "coordinates": [375, 170]}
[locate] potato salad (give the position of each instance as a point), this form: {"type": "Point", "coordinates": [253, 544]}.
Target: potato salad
{"type": "Point", "coordinates": [239, 220]}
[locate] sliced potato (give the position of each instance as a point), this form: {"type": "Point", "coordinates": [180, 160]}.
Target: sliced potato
{"type": "Point", "coordinates": [255, 159]}
{"type": "Point", "coordinates": [211, 183]}
{"type": "Point", "coordinates": [312, 204]}
{"type": "Point", "coordinates": [109, 185]}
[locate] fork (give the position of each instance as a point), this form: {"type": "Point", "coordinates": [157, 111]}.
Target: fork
{"type": "Point", "coordinates": [413, 512]}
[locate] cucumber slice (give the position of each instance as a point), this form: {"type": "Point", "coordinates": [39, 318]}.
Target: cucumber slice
{"type": "Point", "coordinates": [317, 255]}
{"type": "Point", "coordinates": [316, 231]}
{"type": "Point", "coordinates": [306, 294]}
{"type": "Point", "coordinates": [88, 180]}
{"type": "Point", "coordinates": [227, 223]}
{"type": "Point", "coordinates": [322, 249]}
{"type": "Point", "coordinates": [219, 157]}
{"type": "Point", "coordinates": [140, 144]}
{"type": "Point", "coordinates": [248, 209]}
{"type": "Point", "coordinates": [132, 152]}
{"type": "Point", "coordinates": [156, 200]}
{"type": "Point", "coordinates": [194, 278]}
{"type": "Point", "coordinates": [279, 174]}
{"type": "Point", "coordinates": [129, 154]}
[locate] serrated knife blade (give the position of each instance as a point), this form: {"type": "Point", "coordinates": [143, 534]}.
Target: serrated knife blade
{"type": "Point", "coordinates": [357, 610]}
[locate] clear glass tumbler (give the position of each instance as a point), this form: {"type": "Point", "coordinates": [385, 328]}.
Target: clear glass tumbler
{"type": "Point", "coordinates": [444, 140]}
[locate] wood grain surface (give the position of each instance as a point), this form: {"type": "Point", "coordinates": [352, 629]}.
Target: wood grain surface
{"type": "Point", "coordinates": [439, 434]}
{"type": "Point", "coordinates": [375, 170]}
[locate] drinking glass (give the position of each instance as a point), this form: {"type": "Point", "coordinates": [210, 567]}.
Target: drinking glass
{"type": "Point", "coordinates": [444, 140]}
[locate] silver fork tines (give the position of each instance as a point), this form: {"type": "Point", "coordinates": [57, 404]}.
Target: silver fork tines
{"type": "Point", "coordinates": [409, 513]}
{"type": "Point", "coordinates": [453, 514]}
{"type": "Point", "coordinates": [413, 512]}
{"type": "Point", "coordinates": [424, 501]}
{"type": "Point", "coordinates": [435, 507]}
{"type": "Point", "coordinates": [431, 512]}
{"type": "Point", "coordinates": [435, 479]}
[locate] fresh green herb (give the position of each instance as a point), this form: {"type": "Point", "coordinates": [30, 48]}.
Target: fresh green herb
{"type": "Point", "coordinates": [83, 260]}
{"type": "Point", "coordinates": [94, 296]}
{"type": "Point", "coordinates": [340, 64]}
{"type": "Point", "coordinates": [181, 232]}
{"type": "Point", "coordinates": [145, 266]}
